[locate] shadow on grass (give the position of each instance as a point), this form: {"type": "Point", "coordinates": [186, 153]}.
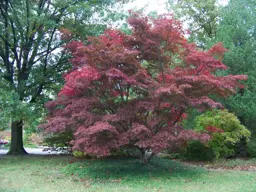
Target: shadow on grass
{"type": "Point", "coordinates": [130, 169]}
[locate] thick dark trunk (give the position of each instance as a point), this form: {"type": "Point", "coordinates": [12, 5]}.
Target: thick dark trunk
{"type": "Point", "coordinates": [16, 147]}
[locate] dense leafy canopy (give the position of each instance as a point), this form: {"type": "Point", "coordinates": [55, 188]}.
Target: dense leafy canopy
{"type": "Point", "coordinates": [133, 89]}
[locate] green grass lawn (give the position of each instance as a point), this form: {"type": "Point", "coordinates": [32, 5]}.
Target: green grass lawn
{"type": "Point", "coordinates": [64, 174]}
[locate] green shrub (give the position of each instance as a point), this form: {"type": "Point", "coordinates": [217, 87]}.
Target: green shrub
{"type": "Point", "coordinates": [197, 151]}
{"type": "Point", "coordinates": [225, 129]}
{"type": "Point", "coordinates": [220, 146]}
{"type": "Point", "coordinates": [79, 154]}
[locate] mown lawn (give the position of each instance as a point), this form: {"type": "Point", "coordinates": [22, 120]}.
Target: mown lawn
{"type": "Point", "coordinates": [65, 174]}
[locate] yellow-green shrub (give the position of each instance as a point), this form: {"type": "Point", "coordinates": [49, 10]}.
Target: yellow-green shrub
{"type": "Point", "coordinates": [222, 143]}
{"type": "Point", "coordinates": [78, 154]}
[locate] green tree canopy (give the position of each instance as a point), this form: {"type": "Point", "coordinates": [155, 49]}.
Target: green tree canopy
{"type": "Point", "coordinates": [237, 31]}
{"type": "Point", "coordinates": [31, 58]}
{"type": "Point", "coordinates": [200, 16]}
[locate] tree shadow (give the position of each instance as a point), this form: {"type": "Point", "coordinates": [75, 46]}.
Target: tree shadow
{"type": "Point", "coordinates": [130, 169]}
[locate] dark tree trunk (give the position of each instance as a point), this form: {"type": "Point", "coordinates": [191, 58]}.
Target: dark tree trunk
{"type": "Point", "coordinates": [16, 147]}
{"type": "Point", "coordinates": [145, 156]}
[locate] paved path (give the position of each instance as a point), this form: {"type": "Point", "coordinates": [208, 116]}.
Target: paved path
{"type": "Point", "coordinates": [33, 151]}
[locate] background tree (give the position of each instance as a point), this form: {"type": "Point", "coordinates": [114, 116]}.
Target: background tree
{"type": "Point", "coordinates": [126, 90]}
{"type": "Point", "coordinates": [200, 16]}
{"type": "Point", "coordinates": [90, 19]}
{"type": "Point", "coordinates": [237, 31]}
{"type": "Point", "coordinates": [31, 61]}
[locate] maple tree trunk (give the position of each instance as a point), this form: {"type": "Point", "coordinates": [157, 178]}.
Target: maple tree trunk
{"type": "Point", "coordinates": [16, 147]}
{"type": "Point", "coordinates": [145, 157]}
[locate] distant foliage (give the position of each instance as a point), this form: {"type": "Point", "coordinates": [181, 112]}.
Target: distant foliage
{"type": "Point", "coordinates": [251, 146]}
{"type": "Point", "coordinates": [201, 17]}
{"type": "Point", "coordinates": [61, 139]}
{"type": "Point", "coordinates": [132, 90]}
{"type": "Point", "coordinates": [236, 30]}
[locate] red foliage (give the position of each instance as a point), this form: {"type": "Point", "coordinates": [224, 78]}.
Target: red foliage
{"type": "Point", "coordinates": [134, 89]}
{"type": "Point", "coordinates": [112, 38]}
{"type": "Point", "coordinates": [213, 129]}
{"type": "Point", "coordinates": [79, 81]}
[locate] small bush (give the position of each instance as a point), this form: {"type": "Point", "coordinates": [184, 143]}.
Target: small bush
{"type": "Point", "coordinates": [226, 131]}
{"type": "Point", "coordinates": [79, 154]}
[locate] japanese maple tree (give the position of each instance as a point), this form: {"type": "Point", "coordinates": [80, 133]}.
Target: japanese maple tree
{"type": "Point", "coordinates": [132, 90]}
